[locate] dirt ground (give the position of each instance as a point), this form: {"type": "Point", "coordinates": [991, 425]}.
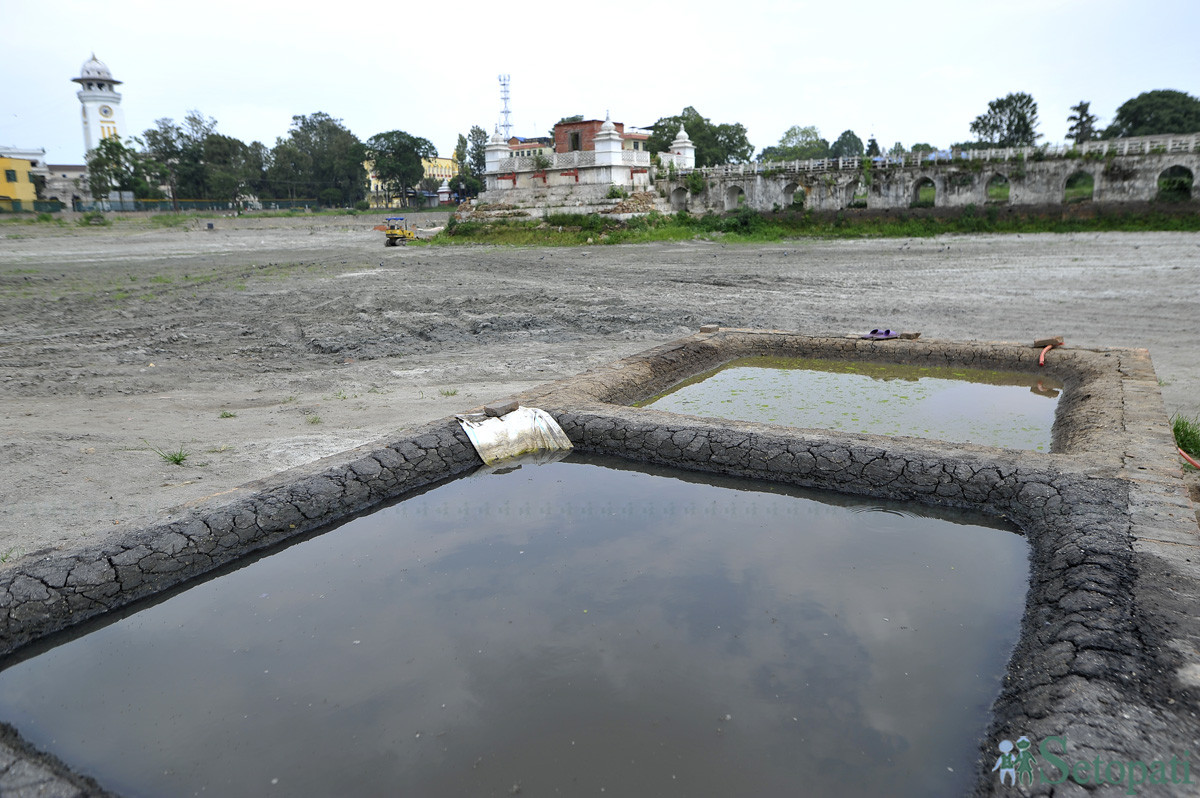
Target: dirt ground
{"type": "Point", "coordinates": [267, 343]}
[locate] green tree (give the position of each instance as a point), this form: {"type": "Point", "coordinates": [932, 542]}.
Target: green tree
{"type": "Point", "coordinates": [192, 171]}
{"type": "Point", "coordinates": [732, 142]}
{"type": "Point", "coordinates": [477, 151]}
{"type": "Point", "coordinates": [230, 167]}
{"type": "Point", "coordinates": [847, 145]}
{"type": "Point", "coordinates": [1154, 113]}
{"type": "Point", "coordinates": [258, 159]}
{"type": "Point", "coordinates": [1083, 124]}
{"type": "Point", "coordinates": [110, 166]}
{"type": "Point", "coordinates": [1010, 121]}
{"type": "Point", "coordinates": [397, 156]}
{"type": "Point", "coordinates": [288, 171]}
{"type": "Point", "coordinates": [797, 144]}
{"type": "Point", "coordinates": [334, 158]}
{"type": "Point", "coordinates": [460, 153]}
{"type": "Point", "coordinates": [115, 166]}
{"type": "Point", "coordinates": [897, 149]}
{"type": "Point", "coordinates": [466, 184]}
{"type": "Point", "coordinates": [923, 147]}
{"type": "Point", "coordinates": [163, 145]}
{"type": "Point", "coordinates": [873, 148]}
{"type": "Point", "coordinates": [179, 151]}
{"type": "Point", "coordinates": [715, 144]}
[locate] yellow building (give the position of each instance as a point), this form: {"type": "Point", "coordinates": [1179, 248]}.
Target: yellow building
{"type": "Point", "coordinates": [441, 168]}
{"type": "Point", "coordinates": [17, 191]}
{"type": "Point", "coordinates": [374, 186]}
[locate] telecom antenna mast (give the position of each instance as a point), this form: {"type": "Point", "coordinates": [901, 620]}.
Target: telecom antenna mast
{"type": "Point", "coordinates": [504, 81]}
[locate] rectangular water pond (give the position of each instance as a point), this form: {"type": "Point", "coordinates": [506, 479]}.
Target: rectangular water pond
{"type": "Point", "coordinates": [571, 628]}
{"type": "Point", "coordinates": [961, 405]}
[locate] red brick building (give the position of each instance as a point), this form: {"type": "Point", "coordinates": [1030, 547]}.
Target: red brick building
{"type": "Point", "coordinates": [571, 136]}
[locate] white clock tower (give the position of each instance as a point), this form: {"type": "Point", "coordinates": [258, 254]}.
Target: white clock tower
{"type": "Point", "coordinates": [102, 116]}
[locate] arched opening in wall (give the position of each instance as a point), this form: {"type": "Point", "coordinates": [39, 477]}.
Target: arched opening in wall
{"type": "Point", "coordinates": [1079, 187]}
{"type": "Point", "coordinates": [1174, 184]}
{"type": "Point", "coordinates": [998, 188]}
{"type": "Point", "coordinates": [793, 196]}
{"type": "Point", "coordinates": [924, 193]}
{"type": "Point", "coordinates": [679, 199]}
{"type": "Point", "coordinates": [856, 193]}
{"type": "Point", "coordinates": [734, 197]}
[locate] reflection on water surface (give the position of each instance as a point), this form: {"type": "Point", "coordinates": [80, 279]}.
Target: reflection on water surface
{"type": "Point", "coordinates": [991, 408]}
{"type": "Point", "coordinates": [567, 628]}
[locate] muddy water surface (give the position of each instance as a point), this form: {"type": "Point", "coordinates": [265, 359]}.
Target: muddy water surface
{"type": "Point", "coordinates": [577, 628]}
{"type": "Point", "coordinates": [991, 408]}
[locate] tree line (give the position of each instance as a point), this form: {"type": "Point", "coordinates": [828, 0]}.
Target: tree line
{"type": "Point", "coordinates": [319, 159]}
{"type": "Point", "coordinates": [1011, 121]}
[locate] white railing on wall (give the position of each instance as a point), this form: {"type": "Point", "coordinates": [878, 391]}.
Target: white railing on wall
{"type": "Point", "coordinates": [1140, 145]}
{"type": "Point", "coordinates": [558, 160]}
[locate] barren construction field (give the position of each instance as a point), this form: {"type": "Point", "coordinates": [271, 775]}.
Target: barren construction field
{"type": "Point", "coordinates": [264, 344]}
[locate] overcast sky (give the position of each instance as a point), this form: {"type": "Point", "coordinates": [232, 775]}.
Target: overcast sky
{"type": "Point", "coordinates": [904, 72]}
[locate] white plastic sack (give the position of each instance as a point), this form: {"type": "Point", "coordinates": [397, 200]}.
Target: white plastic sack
{"type": "Point", "coordinates": [524, 430]}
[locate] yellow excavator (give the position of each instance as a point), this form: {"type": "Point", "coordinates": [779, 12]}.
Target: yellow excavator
{"type": "Point", "coordinates": [397, 233]}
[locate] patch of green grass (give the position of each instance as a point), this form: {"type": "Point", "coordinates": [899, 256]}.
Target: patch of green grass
{"type": "Point", "coordinates": [170, 219]}
{"type": "Point", "coordinates": [10, 554]}
{"type": "Point", "coordinates": [94, 219]}
{"type": "Point", "coordinates": [174, 457]}
{"type": "Point", "coordinates": [1187, 434]}
{"type": "Point", "coordinates": [313, 419]}
{"type": "Point", "coordinates": [227, 414]}
{"type": "Point", "coordinates": [448, 391]}
{"type": "Point", "coordinates": [162, 278]}
{"type": "Point", "coordinates": [748, 226]}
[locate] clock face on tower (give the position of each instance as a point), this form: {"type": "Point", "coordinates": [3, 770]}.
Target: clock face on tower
{"type": "Point", "coordinates": [106, 111]}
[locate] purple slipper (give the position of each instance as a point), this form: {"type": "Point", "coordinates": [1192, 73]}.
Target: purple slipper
{"type": "Point", "coordinates": [881, 335]}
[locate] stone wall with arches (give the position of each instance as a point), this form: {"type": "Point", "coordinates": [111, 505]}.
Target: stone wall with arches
{"type": "Point", "coordinates": [955, 182]}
